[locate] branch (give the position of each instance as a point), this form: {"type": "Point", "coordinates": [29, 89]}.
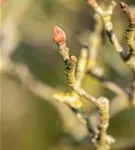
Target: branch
{"type": "Point", "coordinates": [102, 103]}
{"type": "Point", "coordinates": [74, 103]}
{"type": "Point", "coordinates": [130, 33]}
{"type": "Point", "coordinates": [25, 77]}
{"type": "Point", "coordinates": [109, 84]}
{"type": "Point", "coordinates": [81, 67]}
{"type": "Point", "coordinates": [95, 42]}
{"type": "Point", "coordinates": [72, 99]}
{"type": "Point", "coordinates": [106, 16]}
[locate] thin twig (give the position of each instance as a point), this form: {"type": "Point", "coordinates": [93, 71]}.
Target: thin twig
{"type": "Point", "coordinates": [102, 103]}
{"type": "Point", "coordinates": [94, 46]}
{"type": "Point", "coordinates": [109, 84]}
{"type": "Point", "coordinates": [95, 40]}
{"type": "Point", "coordinates": [106, 16]}
{"type": "Point", "coordinates": [130, 33]}
{"type": "Point", "coordinates": [81, 66]}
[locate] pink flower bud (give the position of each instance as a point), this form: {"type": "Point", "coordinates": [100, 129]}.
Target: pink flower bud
{"type": "Point", "coordinates": [59, 37]}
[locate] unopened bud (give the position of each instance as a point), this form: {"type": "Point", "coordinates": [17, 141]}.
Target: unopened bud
{"type": "Point", "coordinates": [73, 60]}
{"type": "Point", "coordinates": [59, 36]}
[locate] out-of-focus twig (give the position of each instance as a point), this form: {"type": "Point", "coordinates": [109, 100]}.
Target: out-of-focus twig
{"type": "Point", "coordinates": [26, 78]}
{"type": "Point", "coordinates": [95, 41]}
{"type": "Point", "coordinates": [81, 66]}
{"type": "Point", "coordinates": [9, 34]}
{"type": "Point", "coordinates": [45, 92]}
{"type": "Point", "coordinates": [109, 84]}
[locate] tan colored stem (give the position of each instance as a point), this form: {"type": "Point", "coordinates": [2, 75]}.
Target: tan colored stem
{"type": "Point", "coordinates": [102, 103]}
{"type": "Point", "coordinates": [109, 84]}
{"type": "Point", "coordinates": [95, 42]}
{"type": "Point", "coordinates": [81, 66]}
{"type": "Point", "coordinates": [106, 16]}
{"type": "Point", "coordinates": [130, 34]}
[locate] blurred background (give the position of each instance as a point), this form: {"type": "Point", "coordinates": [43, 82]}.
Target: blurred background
{"type": "Point", "coordinates": [30, 118]}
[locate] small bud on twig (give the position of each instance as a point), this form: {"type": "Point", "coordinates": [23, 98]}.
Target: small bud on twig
{"type": "Point", "coordinates": [73, 60]}
{"type": "Point", "coordinates": [125, 8]}
{"type": "Point", "coordinates": [59, 36]}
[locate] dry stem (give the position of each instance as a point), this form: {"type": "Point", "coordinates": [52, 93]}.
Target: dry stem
{"type": "Point", "coordinates": [102, 103]}
{"type": "Point", "coordinates": [106, 16]}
